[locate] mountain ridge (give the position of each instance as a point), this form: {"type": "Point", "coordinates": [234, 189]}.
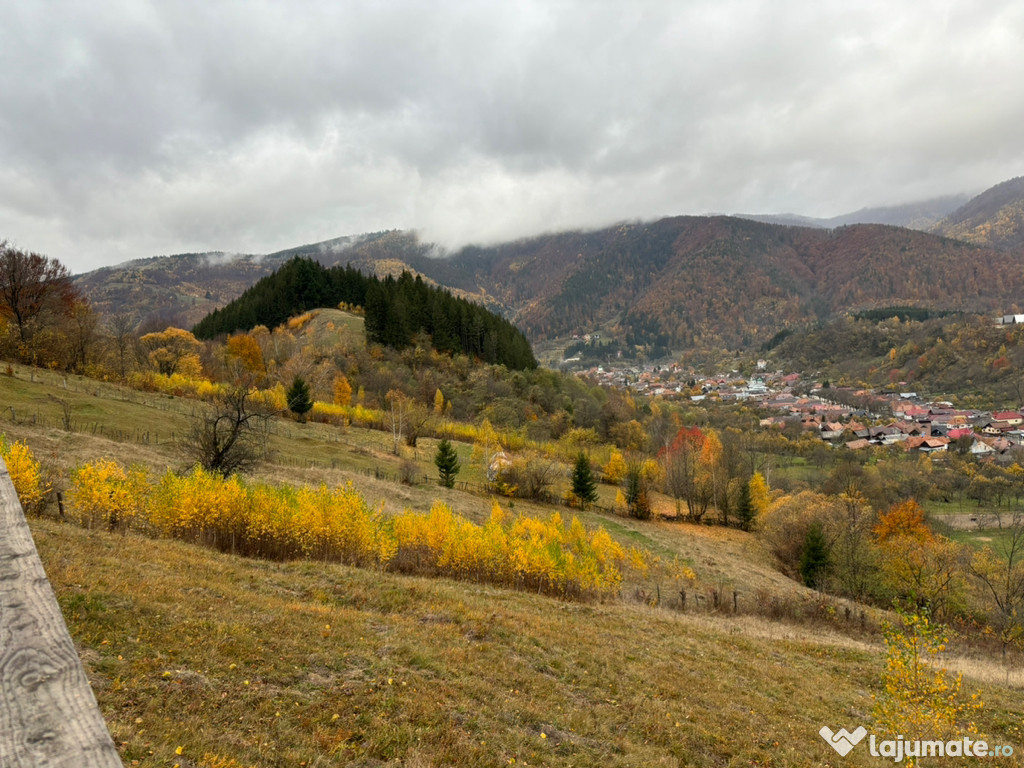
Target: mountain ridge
{"type": "Point", "coordinates": [674, 283]}
{"type": "Point", "coordinates": [921, 215]}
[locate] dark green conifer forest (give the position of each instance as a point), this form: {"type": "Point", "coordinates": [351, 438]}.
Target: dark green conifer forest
{"type": "Point", "coordinates": [396, 310]}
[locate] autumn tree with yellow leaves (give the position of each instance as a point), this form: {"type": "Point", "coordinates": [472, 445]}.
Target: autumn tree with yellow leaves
{"type": "Point", "coordinates": [919, 699]}
{"type": "Point", "coordinates": [342, 390]}
{"type": "Point", "coordinates": [174, 350]}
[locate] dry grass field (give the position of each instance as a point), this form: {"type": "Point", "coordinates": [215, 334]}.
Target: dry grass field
{"type": "Point", "coordinates": [241, 662]}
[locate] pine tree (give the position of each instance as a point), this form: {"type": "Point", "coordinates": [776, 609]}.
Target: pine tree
{"type": "Point", "coordinates": [815, 559]}
{"type": "Point", "coordinates": [298, 398]}
{"type": "Point", "coordinates": [447, 461]}
{"type": "Point", "coordinates": [584, 486]}
{"type": "Point", "coordinates": [395, 311]}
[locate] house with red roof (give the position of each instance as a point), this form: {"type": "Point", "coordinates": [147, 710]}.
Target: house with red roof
{"type": "Point", "coordinates": [1010, 417]}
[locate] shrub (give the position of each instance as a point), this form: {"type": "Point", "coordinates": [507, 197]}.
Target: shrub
{"type": "Point", "coordinates": [273, 400]}
{"type": "Point", "coordinates": [785, 525]}
{"type": "Point", "coordinates": [615, 470]}
{"type": "Point", "coordinates": [918, 696]}
{"type": "Point", "coordinates": [104, 493]}
{"type": "Point", "coordinates": [25, 473]}
{"type": "Point", "coordinates": [408, 472]}
{"type": "Point", "coordinates": [528, 477]}
{"type": "Point", "coordinates": [540, 555]}
{"type": "Point", "coordinates": [202, 507]}
{"type": "Point", "coordinates": [327, 413]}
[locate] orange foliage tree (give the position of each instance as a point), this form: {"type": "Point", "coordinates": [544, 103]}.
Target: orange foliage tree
{"type": "Point", "coordinates": [342, 390]}
{"type": "Point", "coordinates": [247, 351]}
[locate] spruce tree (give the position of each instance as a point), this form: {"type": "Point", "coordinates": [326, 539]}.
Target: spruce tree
{"type": "Point", "coordinates": [447, 462]}
{"type": "Point", "coordinates": [298, 398]}
{"type": "Point", "coordinates": [584, 486]}
{"type": "Point", "coordinates": [637, 501]}
{"type": "Point", "coordinates": [745, 511]}
{"type": "Point", "coordinates": [815, 559]}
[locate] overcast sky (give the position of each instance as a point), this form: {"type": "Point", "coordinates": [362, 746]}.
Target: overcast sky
{"type": "Point", "coordinates": [132, 129]}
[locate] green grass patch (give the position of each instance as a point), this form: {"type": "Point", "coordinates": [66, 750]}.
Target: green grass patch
{"type": "Point", "coordinates": [995, 538]}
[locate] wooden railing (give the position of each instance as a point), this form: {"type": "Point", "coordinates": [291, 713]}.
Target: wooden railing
{"type": "Point", "coordinates": [48, 714]}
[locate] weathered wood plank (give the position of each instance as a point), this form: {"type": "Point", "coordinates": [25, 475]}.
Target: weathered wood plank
{"type": "Point", "coordinates": [48, 714]}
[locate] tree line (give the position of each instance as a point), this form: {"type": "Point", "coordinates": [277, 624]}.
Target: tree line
{"type": "Point", "coordinates": [396, 311]}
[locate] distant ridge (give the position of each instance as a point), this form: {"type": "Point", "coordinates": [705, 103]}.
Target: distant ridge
{"type": "Point", "coordinates": [921, 215]}
{"type": "Point", "coordinates": [697, 281]}
{"type": "Point", "coordinates": [995, 218]}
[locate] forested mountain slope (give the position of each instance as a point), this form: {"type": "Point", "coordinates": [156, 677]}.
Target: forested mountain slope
{"type": "Point", "coordinates": [670, 284]}
{"type": "Point", "coordinates": [995, 218]}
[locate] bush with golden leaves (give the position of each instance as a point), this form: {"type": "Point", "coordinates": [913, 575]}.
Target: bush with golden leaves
{"type": "Point", "coordinates": [26, 474]}
{"type": "Point", "coordinates": [526, 553]}
{"type": "Point", "coordinates": [104, 494]}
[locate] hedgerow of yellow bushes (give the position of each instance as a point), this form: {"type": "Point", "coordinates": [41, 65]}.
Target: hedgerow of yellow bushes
{"type": "Point", "coordinates": [337, 525]}
{"type": "Point", "coordinates": [176, 384]}
{"type": "Point", "coordinates": [526, 553]}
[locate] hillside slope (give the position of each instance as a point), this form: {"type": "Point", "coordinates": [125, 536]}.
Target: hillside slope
{"type": "Point", "coordinates": [698, 280]}
{"type": "Point", "coordinates": [995, 218]}
{"type": "Point", "coordinates": [182, 289]}
{"type": "Point", "coordinates": [306, 663]}
{"type": "Point", "coordinates": [171, 290]}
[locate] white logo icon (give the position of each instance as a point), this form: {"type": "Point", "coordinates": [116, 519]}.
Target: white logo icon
{"type": "Point", "coordinates": [843, 741]}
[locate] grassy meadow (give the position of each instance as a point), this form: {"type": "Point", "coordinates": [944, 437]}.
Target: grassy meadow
{"type": "Point", "coordinates": [240, 662]}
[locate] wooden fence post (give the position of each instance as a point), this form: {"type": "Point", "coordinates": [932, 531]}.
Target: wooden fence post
{"type": "Point", "coordinates": [48, 714]}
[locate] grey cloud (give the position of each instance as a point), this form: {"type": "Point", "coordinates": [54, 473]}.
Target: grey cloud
{"type": "Point", "coordinates": [132, 128]}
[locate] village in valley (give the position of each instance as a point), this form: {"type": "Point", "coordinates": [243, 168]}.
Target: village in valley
{"type": "Point", "coordinates": [844, 418]}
